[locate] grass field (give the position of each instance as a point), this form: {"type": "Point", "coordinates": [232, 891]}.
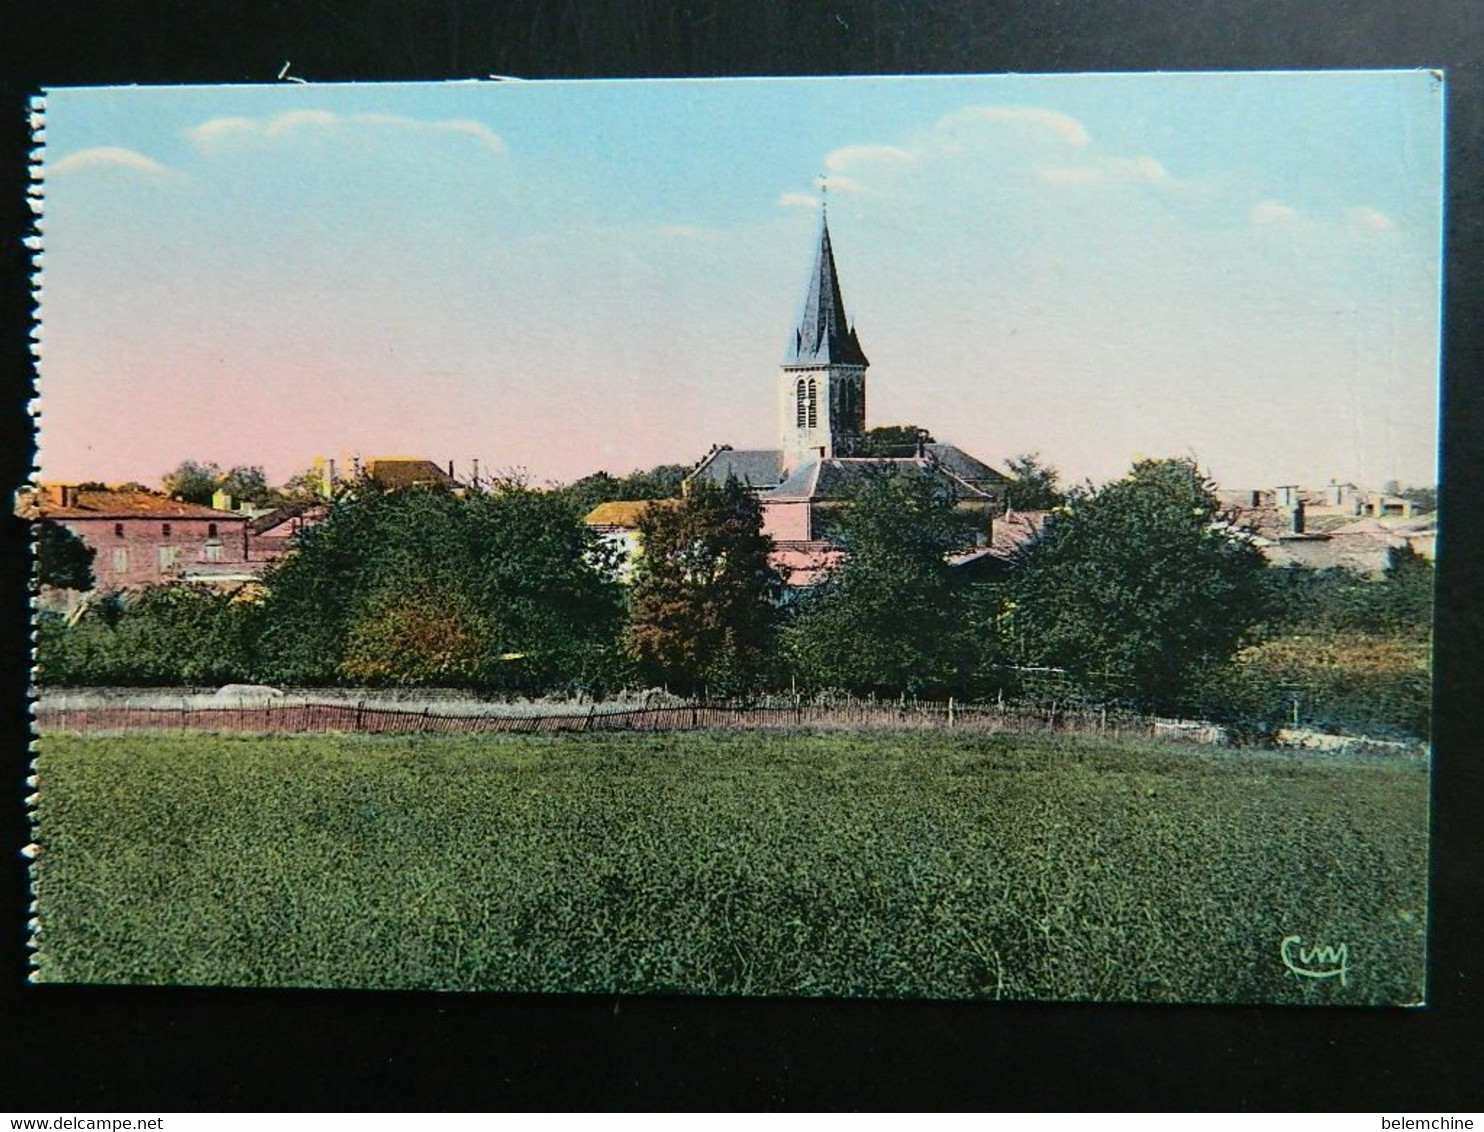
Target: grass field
{"type": "Point", "coordinates": [829, 864]}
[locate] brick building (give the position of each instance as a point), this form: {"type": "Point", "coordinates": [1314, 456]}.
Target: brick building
{"type": "Point", "coordinates": [142, 539]}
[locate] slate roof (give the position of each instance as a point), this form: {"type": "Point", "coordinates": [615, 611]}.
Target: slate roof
{"type": "Point", "coordinates": [839, 478]}
{"type": "Point", "coordinates": [964, 466]}
{"type": "Point", "coordinates": [110, 504]}
{"type": "Point", "coordinates": [824, 333]}
{"type": "Point", "coordinates": [752, 467]}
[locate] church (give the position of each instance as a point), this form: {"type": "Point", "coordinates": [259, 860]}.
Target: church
{"type": "Point", "coordinates": [821, 457]}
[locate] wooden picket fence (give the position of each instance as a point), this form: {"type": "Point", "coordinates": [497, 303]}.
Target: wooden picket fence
{"type": "Point", "coordinates": [310, 716]}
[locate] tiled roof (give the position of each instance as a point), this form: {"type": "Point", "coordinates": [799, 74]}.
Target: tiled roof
{"type": "Point", "coordinates": [1015, 530]}
{"type": "Point", "coordinates": [752, 467]}
{"type": "Point", "coordinates": [824, 333]}
{"type": "Point", "coordinates": [623, 512]}
{"type": "Point", "coordinates": [397, 472]}
{"type": "Point", "coordinates": [108, 504]}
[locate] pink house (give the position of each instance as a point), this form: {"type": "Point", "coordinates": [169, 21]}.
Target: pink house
{"type": "Point", "coordinates": [140, 538]}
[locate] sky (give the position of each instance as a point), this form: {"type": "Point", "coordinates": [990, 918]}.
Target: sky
{"type": "Point", "coordinates": [561, 277]}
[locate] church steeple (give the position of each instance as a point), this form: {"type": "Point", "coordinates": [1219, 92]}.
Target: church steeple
{"type": "Point", "coordinates": [822, 381]}
{"type": "Point", "coordinates": [824, 334]}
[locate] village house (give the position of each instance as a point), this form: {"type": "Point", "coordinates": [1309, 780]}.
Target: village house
{"type": "Point", "coordinates": [140, 538]}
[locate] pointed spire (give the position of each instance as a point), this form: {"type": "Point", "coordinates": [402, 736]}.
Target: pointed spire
{"type": "Point", "coordinates": [824, 332]}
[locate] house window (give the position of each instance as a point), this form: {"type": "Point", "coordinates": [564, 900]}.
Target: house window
{"type": "Point", "coordinates": [211, 530]}
{"type": "Point", "coordinates": [813, 405]}
{"type": "Point", "coordinates": [118, 530]}
{"type": "Point", "coordinates": [799, 403]}
{"type": "Point", "coordinates": [120, 560]}
{"type": "Point", "coordinates": [213, 552]}
{"type": "Point", "coordinates": [167, 556]}
{"type": "Point", "coordinates": [165, 529]}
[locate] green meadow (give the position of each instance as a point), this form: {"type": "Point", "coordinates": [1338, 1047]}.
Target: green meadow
{"type": "Point", "coordinates": [902, 865]}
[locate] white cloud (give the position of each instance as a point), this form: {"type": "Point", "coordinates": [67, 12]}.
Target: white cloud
{"type": "Point", "coordinates": [846, 156]}
{"type": "Point", "coordinates": [1109, 170]}
{"type": "Point", "coordinates": [211, 134]}
{"type": "Point", "coordinates": [1369, 220]}
{"type": "Point", "coordinates": [1069, 129]}
{"type": "Point", "coordinates": [798, 200]}
{"type": "Point", "coordinates": [1270, 213]}
{"type": "Point", "coordinates": [107, 157]}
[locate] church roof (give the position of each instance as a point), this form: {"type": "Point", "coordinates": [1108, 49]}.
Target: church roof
{"type": "Point", "coordinates": [839, 478]}
{"type": "Point", "coordinates": [964, 466]}
{"type": "Point", "coordinates": [824, 333]}
{"type": "Point", "coordinates": [755, 467]}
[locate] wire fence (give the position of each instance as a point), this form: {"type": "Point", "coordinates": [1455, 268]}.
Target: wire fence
{"type": "Point", "coordinates": [282, 716]}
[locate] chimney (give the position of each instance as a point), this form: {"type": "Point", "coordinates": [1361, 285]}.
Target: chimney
{"type": "Point", "coordinates": [330, 477]}
{"type": "Point", "coordinates": [474, 476]}
{"type": "Point", "coordinates": [1296, 517]}
{"type": "Point", "coordinates": [450, 469]}
{"type": "Point", "coordinates": [67, 494]}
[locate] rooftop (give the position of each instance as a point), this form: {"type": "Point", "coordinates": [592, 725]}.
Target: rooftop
{"type": "Point", "coordinates": [64, 501]}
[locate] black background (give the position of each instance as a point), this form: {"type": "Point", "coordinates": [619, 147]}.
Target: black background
{"type": "Point", "coordinates": [125, 1049]}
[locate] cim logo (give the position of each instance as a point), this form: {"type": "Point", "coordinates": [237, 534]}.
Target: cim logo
{"type": "Point", "coordinates": [1317, 962]}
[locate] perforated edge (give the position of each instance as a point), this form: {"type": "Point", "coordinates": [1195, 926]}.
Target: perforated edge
{"type": "Point", "coordinates": [33, 240]}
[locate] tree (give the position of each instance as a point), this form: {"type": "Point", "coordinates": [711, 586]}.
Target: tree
{"type": "Point", "coordinates": [701, 612]}
{"type": "Point", "coordinates": [1134, 583]}
{"type": "Point", "coordinates": [893, 617]}
{"type": "Point", "coordinates": [301, 487]}
{"type": "Point", "coordinates": [895, 440]}
{"type": "Point", "coordinates": [62, 559]}
{"type": "Point", "coordinates": [524, 577]}
{"type": "Point", "coordinates": [417, 638]}
{"type": "Point", "coordinates": [246, 485]}
{"type": "Point", "coordinates": [663, 481]}
{"type": "Point", "coordinates": [193, 482]}
{"type": "Point", "coordinates": [1035, 486]}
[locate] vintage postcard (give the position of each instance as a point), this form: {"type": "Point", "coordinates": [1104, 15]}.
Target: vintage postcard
{"type": "Point", "coordinates": [963, 537]}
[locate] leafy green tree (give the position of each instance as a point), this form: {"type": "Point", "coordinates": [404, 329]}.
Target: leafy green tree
{"type": "Point", "coordinates": [663, 481]}
{"type": "Point", "coordinates": [893, 617]}
{"type": "Point", "coordinates": [62, 559]}
{"type": "Point", "coordinates": [1035, 486]}
{"type": "Point", "coordinates": [168, 635]}
{"type": "Point", "coordinates": [701, 605]}
{"type": "Point", "coordinates": [895, 440]}
{"type": "Point", "coordinates": [1135, 585]}
{"type": "Point", "coordinates": [193, 482]}
{"type": "Point", "coordinates": [246, 485]}
{"type": "Point", "coordinates": [418, 638]}
{"type": "Point", "coordinates": [301, 487]}
{"type": "Point", "coordinates": [527, 578]}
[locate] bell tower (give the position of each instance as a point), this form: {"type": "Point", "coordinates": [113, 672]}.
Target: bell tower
{"type": "Point", "coordinates": [822, 381]}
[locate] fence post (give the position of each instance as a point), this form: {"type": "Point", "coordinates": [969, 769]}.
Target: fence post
{"type": "Point", "coordinates": [591, 711]}
{"type": "Point", "coordinates": [950, 713]}
{"type": "Point", "coordinates": [360, 713]}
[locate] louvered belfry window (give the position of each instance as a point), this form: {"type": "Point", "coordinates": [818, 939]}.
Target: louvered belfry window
{"type": "Point", "coordinates": [813, 405]}
{"type": "Point", "coordinates": [799, 410]}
